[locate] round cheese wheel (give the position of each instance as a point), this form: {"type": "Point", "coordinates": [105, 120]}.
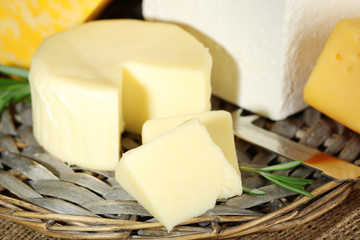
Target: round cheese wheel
{"type": "Point", "coordinates": [90, 81]}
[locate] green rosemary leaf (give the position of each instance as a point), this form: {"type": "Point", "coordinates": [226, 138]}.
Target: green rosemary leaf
{"type": "Point", "coordinates": [294, 188]}
{"type": "Point", "coordinates": [15, 71]}
{"type": "Point", "coordinates": [12, 91]}
{"type": "Point", "coordinates": [281, 166]}
{"type": "Point", "coordinates": [291, 183]}
{"type": "Point", "coordinates": [248, 169]}
{"type": "Point", "coordinates": [291, 180]}
{"type": "Point", "coordinates": [253, 191]}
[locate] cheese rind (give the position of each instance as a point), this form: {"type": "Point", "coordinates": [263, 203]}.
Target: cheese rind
{"type": "Point", "coordinates": [334, 87]}
{"type": "Point", "coordinates": [178, 175]}
{"type": "Point", "coordinates": [218, 123]}
{"type": "Point", "coordinates": [263, 51]}
{"type": "Point", "coordinates": [73, 128]}
{"type": "Point", "coordinates": [25, 23]}
{"type": "Point", "coordinates": [81, 78]}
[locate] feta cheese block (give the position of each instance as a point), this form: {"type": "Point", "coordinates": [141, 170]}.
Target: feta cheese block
{"type": "Point", "coordinates": [25, 23]}
{"type": "Point", "coordinates": [218, 123]}
{"type": "Point", "coordinates": [88, 81]}
{"type": "Point", "coordinates": [334, 87]}
{"type": "Point", "coordinates": [263, 50]}
{"type": "Point", "coordinates": [178, 175]}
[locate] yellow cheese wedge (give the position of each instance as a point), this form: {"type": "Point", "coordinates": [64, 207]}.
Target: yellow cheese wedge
{"type": "Point", "coordinates": [86, 80]}
{"type": "Point", "coordinates": [178, 175]}
{"type": "Point", "coordinates": [218, 123]}
{"type": "Point", "coordinates": [334, 87]}
{"type": "Point", "coordinates": [25, 23]}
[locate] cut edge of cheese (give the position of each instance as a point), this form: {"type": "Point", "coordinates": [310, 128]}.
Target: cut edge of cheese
{"type": "Point", "coordinates": [169, 95]}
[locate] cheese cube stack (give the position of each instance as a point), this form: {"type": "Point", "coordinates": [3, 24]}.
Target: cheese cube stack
{"type": "Point", "coordinates": [263, 51]}
{"type": "Point", "coordinates": [218, 123]}
{"type": "Point", "coordinates": [178, 175]}
{"type": "Point", "coordinates": [91, 80]}
{"type": "Point", "coordinates": [334, 87]}
{"type": "Point", "coordinates": [25, 23]}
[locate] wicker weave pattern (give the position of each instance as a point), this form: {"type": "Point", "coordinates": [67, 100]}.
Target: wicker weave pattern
{"type": "Point", "coordinates": [58, 200]}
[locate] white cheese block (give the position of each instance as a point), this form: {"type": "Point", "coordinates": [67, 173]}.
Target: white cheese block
{"type": "Point", "coordinates": [86, 80]}
{"type": "Point", "coordinates": [178, 175]}
{"type": "Point", "coordinates": [263, 50]}
{"type": "Point", "coordinates": [218, 123]}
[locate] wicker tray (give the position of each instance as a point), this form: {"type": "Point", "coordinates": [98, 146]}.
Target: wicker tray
{"type": "Point", "coordinates": [46, 195]}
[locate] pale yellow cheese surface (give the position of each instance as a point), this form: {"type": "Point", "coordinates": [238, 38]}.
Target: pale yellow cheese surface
{"type": "Point", "coordinates": [334, 84]}
{"type": "Point", "coordinates": [218, 123]}
{"type": "Point", "coordinates": [178, 175]}
{"type": "Point", "coordinates": [85, 81]}
{"type": "Point", "coordinates": [171, 91]}
{"type": "Point", "coordinates": [25, 23]}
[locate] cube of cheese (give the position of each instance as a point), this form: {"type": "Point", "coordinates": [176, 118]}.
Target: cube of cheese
{"type": "Point", "coordinates": [334, 87]}
{"type": "Point", "coordinates": [25, 23]}
{"type": "Point", "coordinates": [178, 175]}
{"type": "Point", "coordinates": [86, 80]}
{"type": "Point", "coordinates": [218, 123]}
{"type": "Point", "coordinates": [263, 51]}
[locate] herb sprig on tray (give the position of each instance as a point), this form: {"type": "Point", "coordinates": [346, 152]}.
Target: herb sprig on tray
{"type": "Point", "coordinates": [13, 90]}
{"type": "Point", "coordinates": [252, 191]}
{"type": "Point", "coordinates": [291, 183]}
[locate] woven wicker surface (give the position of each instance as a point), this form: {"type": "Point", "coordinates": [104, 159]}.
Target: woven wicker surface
{"type": "Point", "coordinates": [277, 211]}
{"type": "Point", "coordinates": [342, 222]}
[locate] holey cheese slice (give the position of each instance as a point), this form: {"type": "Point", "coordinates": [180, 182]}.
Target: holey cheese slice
{"type": "Point", "coordinates": [178, 175]}
{"type": "Point", "coordinates": [263, 50]}
{"type": "Point", "coordinates": [334, 85]}
{"type": "Point", "coordinates": [87, 81]}
{"type": "Point", "coordinates": [218, 123]}
{"type": "Point", "coordinates": [25, 23]}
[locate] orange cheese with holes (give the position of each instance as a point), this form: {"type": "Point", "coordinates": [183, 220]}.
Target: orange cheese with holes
{"type": "Point", "coordinates": [334, 84]}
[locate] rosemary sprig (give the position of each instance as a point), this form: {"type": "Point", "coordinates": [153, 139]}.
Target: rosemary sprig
{"type": "Point", "coordinates": [14, 71]}
{"type": "Point", "coordinates": [13, 90]}
{"type": "Point", "coordinates": [291, 183]}
{"type": "Point", "coordinates": [253, 191]}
